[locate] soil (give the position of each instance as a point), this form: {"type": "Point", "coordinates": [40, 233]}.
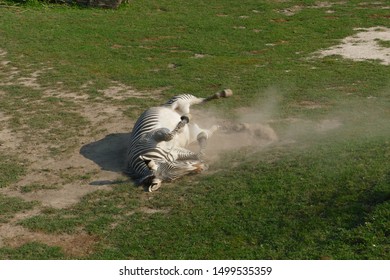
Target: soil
{"type": "Point", "coordinates": [364, 45]}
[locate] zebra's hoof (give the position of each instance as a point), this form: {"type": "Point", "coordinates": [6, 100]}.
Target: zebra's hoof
{"type": "Point", "coordinates": [226, 93]}
{"type": "Point", "coordinates": [186, 118]}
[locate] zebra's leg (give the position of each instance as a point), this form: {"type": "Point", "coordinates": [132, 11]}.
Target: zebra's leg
{"type": "Point", "coordinates": [185, 119]}
{"type": "Point", "coordinates": [183, 102]}
{"type": "Point", "coordinates": [224, 94]}
{"type": "Point", "coordinates": [201, 136]}
{"type": "Point", "coordinates": [183, 154]}
{"type": "Point", "coordinates": [163, 134]}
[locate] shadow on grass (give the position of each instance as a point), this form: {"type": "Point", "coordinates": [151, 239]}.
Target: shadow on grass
{"type": "Point", "coordinates": [109, 154]}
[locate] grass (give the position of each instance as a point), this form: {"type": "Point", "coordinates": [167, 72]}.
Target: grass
{"type": "Point", "coordinates": [36, 187]}
{"type": "Point", "coordinates": [11, 205]}
{"type": "Point", "coordinates": [325, 195]}
{"type": "Point", "coordinates": [33, 250]}
{"type": "Point", "coordinates": [304, 205]}
{"type": "Point", "coordinates": [384, 43]}
{"type": "Point", "coordinates": [11, 170]}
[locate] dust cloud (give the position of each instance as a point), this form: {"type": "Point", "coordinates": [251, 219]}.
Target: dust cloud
{"type": "Point", "coordinates": [265, 126]}
{"type": "Point", "coordinates": [250, 129]}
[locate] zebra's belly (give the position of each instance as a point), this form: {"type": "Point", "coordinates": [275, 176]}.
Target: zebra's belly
{"type": "Point", "coordinates": [169, 119]}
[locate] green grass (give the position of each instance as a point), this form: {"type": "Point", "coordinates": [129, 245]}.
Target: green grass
{"type": "Point", "coordinates": [322, 203]}
{"type": "Point", "coordinates": [138, 50]}
{"type": "Point", "coordinates": [96, 212]}
{"type": "Point", "coordinates": [383, 43]}
{"type": "Point", "coordinates": [329, 201]}
{"type": "Point", "coordinates": [12, 205]}
{"type": "Point", "coordinates": [10, 170]}
{"type": "Point", "coordinates": [36, 187]}
{"type": "Point", "coordinates": [323, 195]}
{"type": "Point", "coordinates": [32, 251]}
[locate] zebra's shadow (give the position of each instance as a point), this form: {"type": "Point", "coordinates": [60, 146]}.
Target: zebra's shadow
{"type": "Point", "coordinates": [108, 153]}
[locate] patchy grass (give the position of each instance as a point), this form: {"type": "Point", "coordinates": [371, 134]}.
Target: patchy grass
{"type": "Point", "coordinates": [36, 187]}
{"type": "Point", "coordinates": [383, 43]}
{"type": "Point", "coordinates": [96, 212]}
{"type": "Point", "coordinates": [9, 206]}
{"type": "Point", "coordinates": [329, 201]}
{"type": "Point", "coordinates": [32, 251]}
{"type": "Point", "coordinates": [322, 192]}
{"type": "Point", "coordinates": [10, 170]}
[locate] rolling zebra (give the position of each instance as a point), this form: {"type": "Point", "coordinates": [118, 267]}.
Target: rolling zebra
{"type": "Point", "coordinates": [157, 150]}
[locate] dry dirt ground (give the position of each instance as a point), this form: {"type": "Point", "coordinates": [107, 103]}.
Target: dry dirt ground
{"type": "Point", "coordinates": [99, 148]}
{"type": "Point", "coordinates": [364, 45]}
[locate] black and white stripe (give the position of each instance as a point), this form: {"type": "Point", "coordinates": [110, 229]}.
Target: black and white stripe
{"type": "Point", "coordinates": [143, 143]}
{"type": "Point", "coordinates": [150, 143]}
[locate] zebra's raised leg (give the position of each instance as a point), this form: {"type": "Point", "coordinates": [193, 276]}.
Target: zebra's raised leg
{"type": "Point", "coordinates": [202, 141]}
{"type": "Point", "coordinates": [163, 134]}
{"type": "Point", "coordinates": [224, 94]}
{"type": "Point", "coordinates": [185, 119]}
{"type": "Point", "coordinates": [182, 103]}
{"type": "Point", "coordinates": [201, 136]}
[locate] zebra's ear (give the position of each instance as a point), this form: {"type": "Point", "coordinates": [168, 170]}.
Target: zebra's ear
{"type": "Point", "coordinates": [149, 163]}
{"type": "Point", "coordinates": [155, 185]}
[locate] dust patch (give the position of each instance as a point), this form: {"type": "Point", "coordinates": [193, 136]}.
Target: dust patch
{"type": "Point", "coordinates": [293, 10]}
{"type": "Point", "coordinates": [7, 140]}
{"type": "Point", "coordinates": [62, 93]}
{"type": "Point", "coordinates": [31, 81]}
{"type": "Point", "coordinates": [119, 91]}
{"type": "Point", "coordinates": [148, 210]}
{"type": "Point", "coordinates": [237, 136]}
{"type": "Point", "coordinates": [311, 105]}
{"type": "Point", "coordinates": [367, 44]}
{"type": "Point", "coordinates": [373, 5]}
{"type": "Point", "coordinates": [8, 72]}
{"type": "Point", "coordinates": [328, 124]}
{"type": "Point", "coordinates": [258, 127]}
{"type": "Point", "coordinates": [253, 129]}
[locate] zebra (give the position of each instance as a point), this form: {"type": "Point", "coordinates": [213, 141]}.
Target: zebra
{"type": "Point", "coordinates": [158, 143]}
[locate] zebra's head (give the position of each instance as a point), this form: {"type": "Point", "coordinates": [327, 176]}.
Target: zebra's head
{"type": "Point", "coordinates": [169, 171]}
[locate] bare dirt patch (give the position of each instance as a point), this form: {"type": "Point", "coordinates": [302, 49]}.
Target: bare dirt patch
{"type": "Point", "coordinates": [311, 104]}
{"type": "Point", "coordinates": [367, 44]}
{"type": "Point", "coordinates": [119, 91]}
{"type": "Point", "coordinates": [293, 10]}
